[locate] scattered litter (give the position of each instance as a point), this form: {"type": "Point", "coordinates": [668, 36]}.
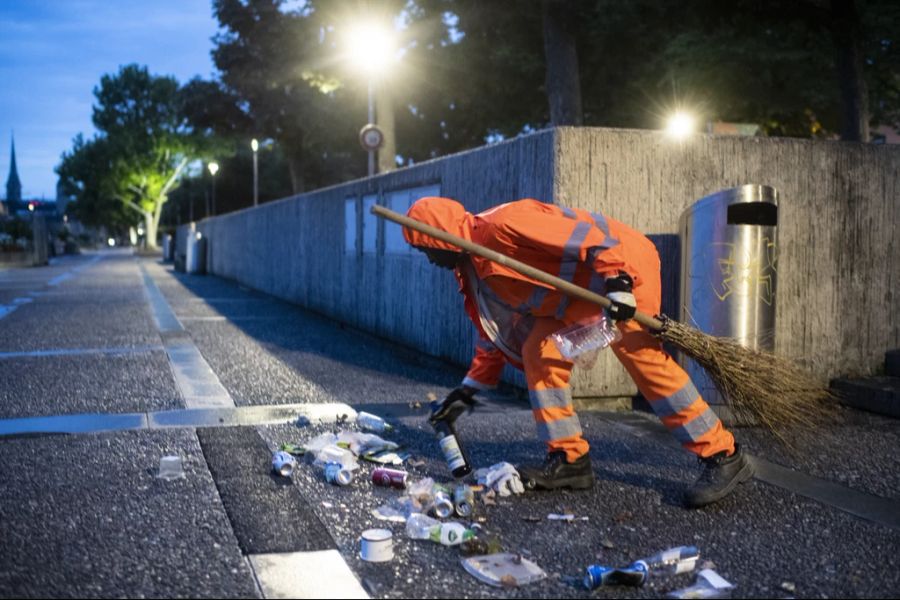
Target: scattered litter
{"type": "Point", "coordinates": [789, 586]}
{"type": "Point", "coordinates": [415, 462]}
{"type": "Point", "coordinates": [337, 474]}
{"type": "Point", "coordinates": [431, 396]}
{"type": "Point", "coordinates": [390, 478]}
{"type": "Point", "coordinates": [170, 468]}
{"type": "Point", "coordinates": [451, 533]}
{"type": "Point", "coordinates": [607, 544]}
{"type": "Point", "coordinates": [479, 546]}
{"type": "Point", "coordinates": [634, 575]}
{"type": "Point", "coordinates": [371, 422]}
{"type": "Point", "coordinates": [327, 504]}
{"type": "Point", "coordinates": [709, 584]}
{"type": "Point", "coordinates": [364, 443]}
{"type": "Point", "coordinates": [674, 561]}
{"type": "Point", "coordinates": [463, 500]}
{"type": "Point", "coordinates": [503, 569]}
{"type": "Point", "coordinates": [422, 491]}
{"type": "Point", "coordinates": [376, 545]}
{"type": "Point", "coordinates": [501, 477]}
{"type": "Point", "coordinates": [283, 463]}
{"type": "Point", "coordinates": [415, 405]}
{"type": "Point", "coordinates": [386, 457]}
{"type": "Point", "coordinates": [566, 517]}
{"type": "Point", "coordinates": [442, 503]}
{"type": "Point", "coordinates": [341, 419]}
{"type": "Point", "coordinates": [532, 519]}
{"type": "Point", "coordinates": [303, 421]}
{"type": "Point", "coordinates": [294, 449]}
{"type": "Point", "coordinates": [336, 454]}
{"type": "Point", "coordinates": [623, 516]}
{"type": "Point", "coordinates": [489, 498]}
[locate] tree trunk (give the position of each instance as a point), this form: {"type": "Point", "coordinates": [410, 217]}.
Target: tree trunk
{"type": "Point", "coordinates": [292, 145]}
{"type": "Point", "coordinates": [846, 32]}
{"type": "Point", "coordinates": [561, 56]}
{"type": "Point", "coordinates": [151, 224]}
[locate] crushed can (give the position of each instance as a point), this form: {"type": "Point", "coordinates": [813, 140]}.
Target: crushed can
{"type": "Point", "coordinates": [443, 503]}
{"type": "Point", "coordinates": [634, 575]}
{"type": "Point", "coordinates": [336, 473]}
{"type": "Point", "coordinates": [394, 478]}
{"type": "Point", "coordinates": [283, 463]}
{"type": "Point", "coordinates": [464, 500]}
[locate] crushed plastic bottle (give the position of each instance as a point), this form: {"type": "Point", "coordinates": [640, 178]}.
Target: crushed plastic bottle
{"type": "Point", "coordinates": [674, 561]}
{"type": "Point", "coordinates": [423, 527]}
{"type": "Point", "coordinates": [585, 339]}
{"type": "Point", "coordinates": [371, 422]}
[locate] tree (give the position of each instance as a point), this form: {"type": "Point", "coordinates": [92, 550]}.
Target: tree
{"type": "Point", "coordinates": [142, 147]}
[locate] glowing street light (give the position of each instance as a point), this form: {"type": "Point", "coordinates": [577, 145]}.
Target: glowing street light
{"type": "Point", "coordinates": [680, 125]}
{"type": "Point", "coordinates": [255, 146]}
{"type": "Point", "coordinates": [213, 169]}
{"type": "Point", "coordinates": [372, 49]}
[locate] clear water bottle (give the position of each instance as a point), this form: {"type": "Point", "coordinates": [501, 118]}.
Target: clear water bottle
{"type": "Point", "coordinates": [371, 422]}
{"type": "Point", "coordinates": [580, 338]}
{"type": "Point", "coordinates": [452, 450]}
{"type": "Point", "coordinates": [674, 561]}
{"type": "Point", "coordinates": [423, 527]}
{"type": "Point", "coordinates": [419, 526]}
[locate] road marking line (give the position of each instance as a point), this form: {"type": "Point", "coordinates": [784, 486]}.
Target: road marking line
{"type": "Point", "coordinates": [321, 574]}
{"type": "Point", "coordinates": [60, 278]}
{"type": "Point", "coordinates": [198, 383]}
{"type": "Point", "coordinates": [79, 352]}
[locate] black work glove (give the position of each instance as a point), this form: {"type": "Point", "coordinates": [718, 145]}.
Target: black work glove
{"type": "Point", "coordinates": [618, 291]}
{"type": "Point", "coordinates": [455, 404]}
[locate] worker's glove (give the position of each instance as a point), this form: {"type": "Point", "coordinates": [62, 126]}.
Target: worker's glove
{"type": "Point", "coordinates": [502, 478]}
{"type": "Point", "coordinates": [618, 291]}
{"type": "Point", "coordinates": [456, 403]}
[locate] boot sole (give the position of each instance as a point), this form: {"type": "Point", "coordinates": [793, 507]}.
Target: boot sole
{"type": "Point", "coordinates": [743, 475]}
{"type": "Point", "coordinates": [582, 482]}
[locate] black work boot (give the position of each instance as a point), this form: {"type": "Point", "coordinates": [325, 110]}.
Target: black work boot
{"type": "Point", "coordinates": [720, 476]}
{"type": "Point", "coordinates": [557, 472]}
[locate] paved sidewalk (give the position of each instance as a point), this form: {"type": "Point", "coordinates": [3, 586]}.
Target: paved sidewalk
{"type": "Point", "coordinates": [83, 515]}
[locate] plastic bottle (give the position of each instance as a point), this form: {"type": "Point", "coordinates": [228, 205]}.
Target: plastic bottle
{"type": "Point", "coordinates": [371, 422]}
{"type": "Point", "coordinates": [453, 451]}
{"type": "Point", "coordinates": [423, 527]}
{"type": "Point", "coordinates": [634, 575]}
{"type": "Point", "coordinates": [681, 559]}
{"type": "Point", "coordinates": [580, 338]}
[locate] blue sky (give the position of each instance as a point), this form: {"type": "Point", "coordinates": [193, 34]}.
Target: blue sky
{"type": "Point", "coordinates": [53, 53]}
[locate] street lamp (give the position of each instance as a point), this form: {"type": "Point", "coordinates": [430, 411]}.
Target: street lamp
{"type": "Point", "coordinates": [371, 48]}
{"type": "Point", "coordinates": [255, 145]}
{"type": "Point", "coordinates": [680, 125]}
{"type": "Point", "coordinates": [213, 169]}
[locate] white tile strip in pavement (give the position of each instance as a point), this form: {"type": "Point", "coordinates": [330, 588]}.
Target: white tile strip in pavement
{"type": "Point", "coordinates": [322, 574]}
{"type": "Point", "coordinates": [167, 419]}
{"type": "Point", "coordinates": [198, 383]}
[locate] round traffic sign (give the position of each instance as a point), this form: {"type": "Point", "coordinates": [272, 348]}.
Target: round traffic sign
{"type": "Point", "coordinates": [371, 138]}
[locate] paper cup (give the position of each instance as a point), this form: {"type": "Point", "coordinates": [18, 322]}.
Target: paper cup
{"type": "Point", "coordinates": [376, 545]}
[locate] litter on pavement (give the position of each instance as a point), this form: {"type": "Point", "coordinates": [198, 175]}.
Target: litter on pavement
{"type": "Point", "coordinates": [503, 570]}
{"type": "Point", "coordinates": [170, 468]}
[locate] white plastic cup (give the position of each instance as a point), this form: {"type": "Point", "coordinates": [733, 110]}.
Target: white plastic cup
{"type": "Point", "coordinates": [170, 468]}
{"type": "Point", "coordinates": [376, 545]}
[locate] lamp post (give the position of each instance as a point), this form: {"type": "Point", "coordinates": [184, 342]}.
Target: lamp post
{"type": "Point", "coordinates": [255, 146]}
{"type": "Point", "coordinates": [371, 48]}
{"type": "Point", "coordinates": [213, 169]}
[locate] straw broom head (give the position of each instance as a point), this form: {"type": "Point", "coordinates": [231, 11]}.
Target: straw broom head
{"type": "Point", "coordinates": [761, 388]}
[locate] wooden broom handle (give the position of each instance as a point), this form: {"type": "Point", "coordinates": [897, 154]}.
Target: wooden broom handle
{"type": "Point", "coordinates": [471, 247]}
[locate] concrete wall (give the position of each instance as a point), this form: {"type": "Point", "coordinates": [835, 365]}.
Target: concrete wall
{"type": "Point", "coordinates": [838, 265]}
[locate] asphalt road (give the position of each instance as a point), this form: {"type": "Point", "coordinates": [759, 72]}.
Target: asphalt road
{"type": "Point", "coordinates": [86, 516]}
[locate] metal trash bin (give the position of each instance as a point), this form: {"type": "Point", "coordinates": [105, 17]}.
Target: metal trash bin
{"type": "Point", "coordinates": [195, 258]}
{"type": "Point", "coordinates": [729, 272]}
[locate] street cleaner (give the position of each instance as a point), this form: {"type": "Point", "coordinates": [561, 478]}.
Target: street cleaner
{"type": "Point", "coordinates": [515, 315]}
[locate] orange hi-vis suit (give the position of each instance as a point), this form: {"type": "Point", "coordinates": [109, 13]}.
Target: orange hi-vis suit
{"type": "Point", "coordinates": [515, 314]}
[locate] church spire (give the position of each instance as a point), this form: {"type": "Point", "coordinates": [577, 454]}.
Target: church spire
{"type": "Point", "coordinates": [13, 185]}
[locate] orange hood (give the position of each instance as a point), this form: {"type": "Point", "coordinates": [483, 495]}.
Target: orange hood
{"type": "Point", "coordinates": [443, 213]}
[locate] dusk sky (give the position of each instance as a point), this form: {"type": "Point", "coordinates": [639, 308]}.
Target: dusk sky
{"type": "Point", "coordinates": [53, 54]}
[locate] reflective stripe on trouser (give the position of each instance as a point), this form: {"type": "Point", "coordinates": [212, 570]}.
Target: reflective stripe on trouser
{"type": "Point", "coordinates": [548, 376]}
{"type": "Point", "coordinates": [670, 392]}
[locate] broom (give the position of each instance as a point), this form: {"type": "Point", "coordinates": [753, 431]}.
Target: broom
{"type": "Point", "coordinates": [760, 387]}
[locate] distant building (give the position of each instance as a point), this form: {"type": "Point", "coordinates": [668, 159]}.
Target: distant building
{"type": "Point", "coordinates": [13, 185]}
